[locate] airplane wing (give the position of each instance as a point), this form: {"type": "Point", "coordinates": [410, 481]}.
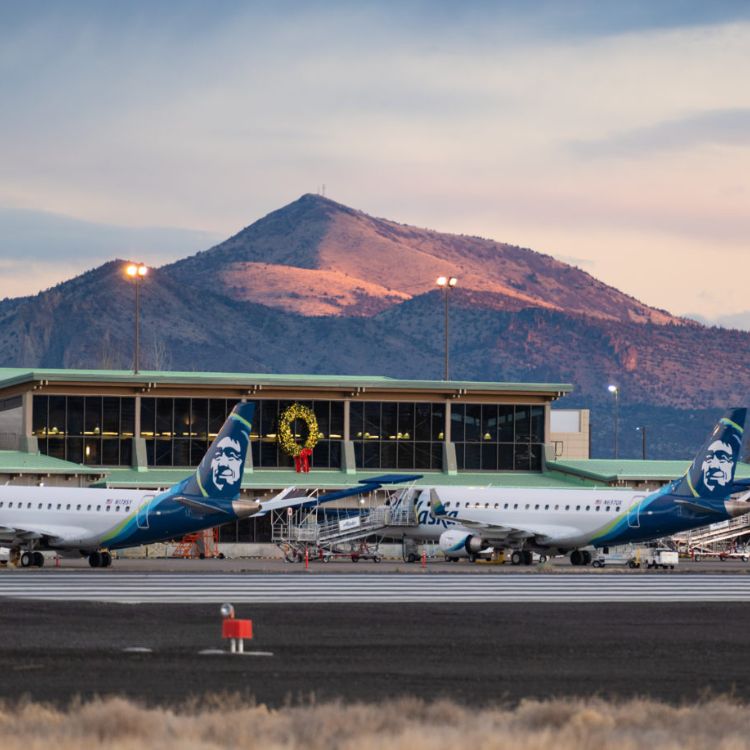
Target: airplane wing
{"type": "Point", "coordinates": [294, 497]}
{"type": "Point", "coordinates": [27, 533]}
{"type": "Point", "coordinates": [500, 534]}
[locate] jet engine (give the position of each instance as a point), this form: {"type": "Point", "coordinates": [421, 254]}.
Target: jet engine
{"type": "Point", "coordinates": [460, 544]}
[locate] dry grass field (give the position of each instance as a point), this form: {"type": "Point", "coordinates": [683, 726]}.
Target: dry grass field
{"type": "Point", "coordinates": [411, 724]}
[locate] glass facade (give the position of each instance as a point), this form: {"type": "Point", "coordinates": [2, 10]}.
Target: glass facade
{"type": "Point", "coordinates": [95, 430]}
{"type": "Point", "coordinates": [404, 435]}
{"type": "Point", "coordinates": [491, 437]}
{"type": "Point", "coordinates": [178, 431]}
{"type": "Point", "coordinates": [397, 435]}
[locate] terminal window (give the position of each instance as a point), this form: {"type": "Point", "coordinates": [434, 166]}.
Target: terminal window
{"type": "Point", "coordinates": [96, 430]}
{"type": "Point", "coordinates": [498, 437]}
{"type": "Point", "coordinates": [178, 431]}
{"type": "Point", "coordinates": [397, 435]}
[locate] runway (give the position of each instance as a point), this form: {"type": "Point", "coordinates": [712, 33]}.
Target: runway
{"type": "Point", "coordinates": [306, 588]}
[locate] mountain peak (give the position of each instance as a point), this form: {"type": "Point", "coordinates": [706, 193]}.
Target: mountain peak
{"type": "Point", "coordinates": [316, 256]}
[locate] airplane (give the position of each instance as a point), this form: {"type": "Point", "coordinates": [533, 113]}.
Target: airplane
{"type": "Point", "coordinates": [95, 521]}
{"type": "Point", "coordinates": [470, 521]}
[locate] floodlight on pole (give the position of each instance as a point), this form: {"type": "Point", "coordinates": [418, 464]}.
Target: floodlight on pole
{"type": "Point", "coordinates": [137, 271]}
{"type": "Point", "coordinates": [614, 390]}
{"type": "Point", "coordinates": [642, 430]}
{"type": "Point", "coordinates": [447, 283]}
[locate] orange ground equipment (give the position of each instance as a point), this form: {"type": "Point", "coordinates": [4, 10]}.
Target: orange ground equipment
{"type": "Point", "coordinates": [201, 544]}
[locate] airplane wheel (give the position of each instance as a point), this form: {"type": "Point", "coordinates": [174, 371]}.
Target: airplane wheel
{"type": "Point", "coordinates": [528, 558]}
{"type": "Point", "coordinates": [586, 557]}
{"type": "Point", "coordinates": [26, 560]}
{"type": "Point", "coordinates": [106, 560]}
{"type": "Point", "coordinates": [95, 560]}
{"type": "Point", "coordinates": [576, 558]}
{"type": "Point", "coordinates": [515, 558]}
{"type": "Point", "coordinates": [38, 560]}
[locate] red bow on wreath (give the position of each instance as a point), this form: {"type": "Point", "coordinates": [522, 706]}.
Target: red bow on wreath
{"type": "Point", "coordinates": [302, 461]}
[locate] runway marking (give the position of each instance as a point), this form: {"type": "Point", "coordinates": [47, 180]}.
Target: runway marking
{"type": "Point", "coordinates": [134, 588]}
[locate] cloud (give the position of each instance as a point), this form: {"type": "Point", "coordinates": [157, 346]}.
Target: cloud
{"type": "Point", "coordinates": [724, 127]}
{"type": "Point", "coordinates": [37, 236]}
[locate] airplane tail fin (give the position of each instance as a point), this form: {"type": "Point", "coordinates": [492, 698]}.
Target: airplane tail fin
{"type": "Point", "coordinates": [216, 482]}
{"type": "Point", "coordinates": [711, 475]}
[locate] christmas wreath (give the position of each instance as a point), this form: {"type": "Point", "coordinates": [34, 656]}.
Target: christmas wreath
{"type": "Point", "coordinates": [286, 437]}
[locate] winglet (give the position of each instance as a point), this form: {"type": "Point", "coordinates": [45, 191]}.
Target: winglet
{"type": "Point", "coordinates": [436, 505]}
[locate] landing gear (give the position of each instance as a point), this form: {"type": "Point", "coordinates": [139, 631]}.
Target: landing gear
{"type": "Point", "coordinates": [580, 557]}
{"type": "Point", "coordinates": [100, 559]}
{"type": "Point", "coordinates": [31, 559]}
{"type": "Point", "coordinates": [521, 557]}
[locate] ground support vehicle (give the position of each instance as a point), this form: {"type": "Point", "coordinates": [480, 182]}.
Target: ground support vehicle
{"type": "Point", "coordinates": [357, 551]}
{"type": "Point", "coordinates": [615, 558]}
{"type": "Point", "coordinates": [654, 557]}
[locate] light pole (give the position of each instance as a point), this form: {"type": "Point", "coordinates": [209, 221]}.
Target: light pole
{"type": "Point", "coordinates": [447, 283]}
{"type": "Point", "coordinates": [642, 430]}
{"type": "Point", "coordinates": [137, 271]}
{"type": "Point", "coordinates": [616, 391]}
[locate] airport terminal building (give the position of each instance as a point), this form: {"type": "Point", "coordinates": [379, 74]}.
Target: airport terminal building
{"type": "Point", "coordinates": [145, 431]}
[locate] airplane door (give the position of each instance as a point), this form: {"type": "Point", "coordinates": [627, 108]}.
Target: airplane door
{"type": "Point", "coordinates": [634, 512]}
{"type": "Point", "coordinates": [142, 514]}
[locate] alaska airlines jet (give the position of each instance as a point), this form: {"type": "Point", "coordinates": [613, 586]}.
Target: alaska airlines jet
{"type": "Point", "coordinates": [96, 521]}
{"type": "Point", "coordinates": [469, 520]}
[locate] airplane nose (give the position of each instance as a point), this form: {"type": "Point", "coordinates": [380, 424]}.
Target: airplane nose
{"type": "Point", "coordinates": [243, 507]}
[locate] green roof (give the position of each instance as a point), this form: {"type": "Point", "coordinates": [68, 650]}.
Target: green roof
{"type": "Point", "coordinates": [33, 463]}
{"type": "Point", "coordinates": [14, 376]}
{"type": "Point", "coordinates": [612, 470]}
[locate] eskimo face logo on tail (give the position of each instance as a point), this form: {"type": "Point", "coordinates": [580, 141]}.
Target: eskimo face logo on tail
{"type": "Point", "coordinates": [226, 465]}
{"type": "Point", "coordinates": [712, 472]}
{"type": "Point", "coordinates": [718, 465]}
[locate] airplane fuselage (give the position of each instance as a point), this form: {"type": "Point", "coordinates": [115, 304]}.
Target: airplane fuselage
{"type": "Point", "coordinates": [555, 518]}
{"type": "Point", "coordinates": [90, 518]}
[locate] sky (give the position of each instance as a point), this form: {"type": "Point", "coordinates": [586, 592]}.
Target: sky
{"type": "Point", "coordinates": [612, 135]}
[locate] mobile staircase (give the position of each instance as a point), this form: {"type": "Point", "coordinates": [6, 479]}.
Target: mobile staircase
{"type": "Point", "coordinates": [715, 537]}
{"type": "Point", "coordinates": [301, 536]}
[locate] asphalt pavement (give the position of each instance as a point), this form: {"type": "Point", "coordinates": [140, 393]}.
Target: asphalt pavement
{"type": "Point", "coordinates": [471, 653]}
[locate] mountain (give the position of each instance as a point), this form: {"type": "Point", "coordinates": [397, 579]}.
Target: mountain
{"type": "Point", "coordinates": [318, 257]}
{"type": "Point", "coordinates": [319, 287]}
